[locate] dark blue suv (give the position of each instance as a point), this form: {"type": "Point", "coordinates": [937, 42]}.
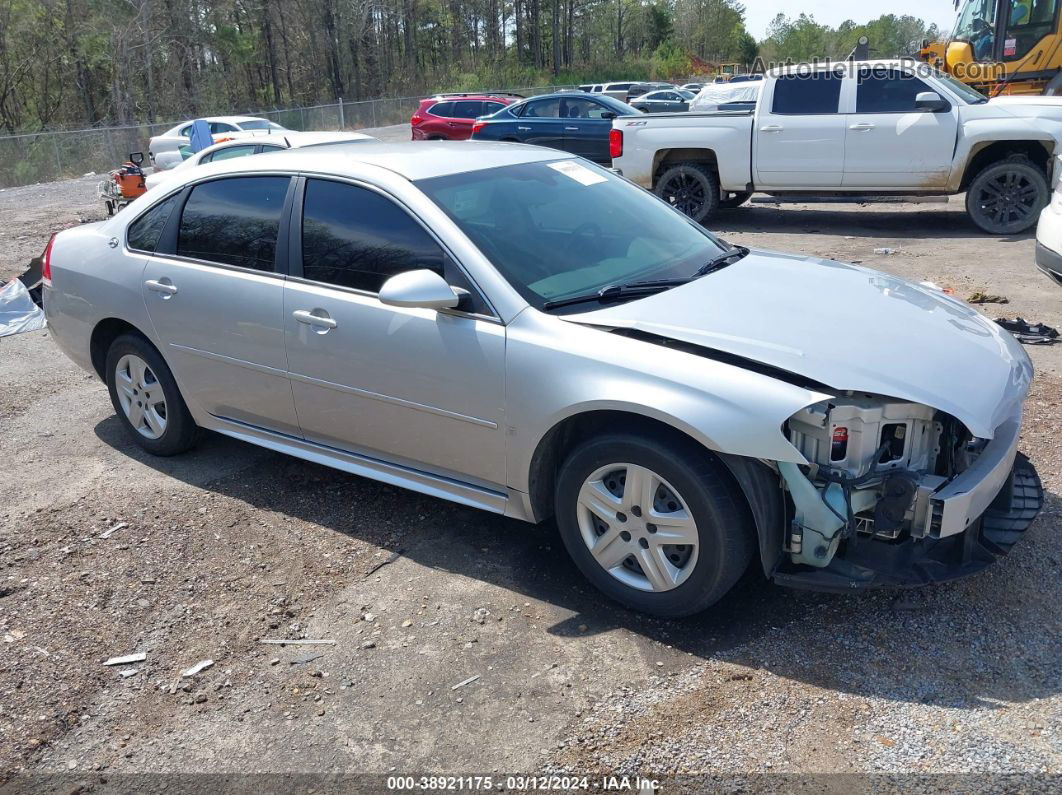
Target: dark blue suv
{"type": "Point", "coordinates": [574, 122]}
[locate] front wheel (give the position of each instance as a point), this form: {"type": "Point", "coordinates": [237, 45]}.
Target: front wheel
{"type": "Point", "coordinates": [1006, 198]}
{"type": "Point", "coordinates": [656, 527]}
{"type": "Point", "coordinates": [691, 188]}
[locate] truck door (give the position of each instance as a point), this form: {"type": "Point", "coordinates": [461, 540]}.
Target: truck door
{"type": "Point", "coordinates": [798, 137]}
{"type": "Point", "coordinates": [889, 141]}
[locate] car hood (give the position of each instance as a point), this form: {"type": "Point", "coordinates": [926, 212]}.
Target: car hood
{"type": "Point", "coordinates": [850, 328]}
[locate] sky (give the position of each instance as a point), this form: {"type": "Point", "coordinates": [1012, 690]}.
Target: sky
{"type": "Point", "coordinates": [759, 13]}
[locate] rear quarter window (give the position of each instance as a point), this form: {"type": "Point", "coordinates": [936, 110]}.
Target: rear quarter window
{"type": "Point", "coordinates": [145, 231]}
{"type": "Point", "coordinates": [445, 109]}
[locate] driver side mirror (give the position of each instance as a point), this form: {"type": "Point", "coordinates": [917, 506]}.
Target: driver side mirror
{"type": "Point", "coordinates": [136, 158]}
{"type": "Point", "coordinates": [608, 114]}
{"type": "Point", "coordinates": [422, 289]}
{"type": "Point", "coordinates": [930, 101]}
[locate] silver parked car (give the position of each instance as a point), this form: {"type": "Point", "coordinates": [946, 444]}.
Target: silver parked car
{"type": "Point", "coordinates": [519, 330]}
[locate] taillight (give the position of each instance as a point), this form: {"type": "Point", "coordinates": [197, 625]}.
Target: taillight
{"type": "Point", "coordinates": [46, 263]}
{"type": "Point", "coordinates": [615, 143]}
{"type": "Point", "coordinates": [477, 126]}
{"type": "Point", "coordinates": [839, 446]}
{"type": "Point", "coordinates": [417, 119]}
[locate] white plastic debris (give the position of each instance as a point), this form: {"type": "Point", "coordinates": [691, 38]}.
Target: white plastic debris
{"type": "Point", "coordinates": [129, 672]}
{"type": "Point", "coordinates": [199, 666]}
{"type": "Point", "coordinates": [127, 659]}
{"type": "Point", "coordinates": [885, 251]}
{"type": "Point", "coordinates": [282, 642]}
{"type": "Point", "coordinates": [18, 313]}
{"type": "Point", "coordinates": [464, 682]}
{"type": "Point", "coordinates": [112, 531]}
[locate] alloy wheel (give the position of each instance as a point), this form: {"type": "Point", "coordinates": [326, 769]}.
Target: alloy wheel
{"type": "Point", "coordinates": [1008, 198]}
{"type": "Point", "coordinates": [140, 395]}
{"type": "Point", "coordinates": [685, 193]}
{"type": "Point", "coordinates": [637, 527]}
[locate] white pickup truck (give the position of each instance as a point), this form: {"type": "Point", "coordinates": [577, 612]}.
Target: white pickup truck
{"type": "Point", "coordinates": [856, 128]}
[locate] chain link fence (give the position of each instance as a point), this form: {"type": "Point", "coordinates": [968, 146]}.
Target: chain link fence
{"type": "Point", "coordinates": [30, 158]}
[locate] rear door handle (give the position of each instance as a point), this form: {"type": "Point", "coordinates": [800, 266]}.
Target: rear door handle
{"type": "Point", "coordinates": [166, 288]}
{"type": "Point", "coordinates": [571, 129]}
{"type": "Point", "coordinates": [772, 128]}
{"type": "Point", "coordinates": [862, 127]}
{"type": "Point", "coordinates": [322, 321]}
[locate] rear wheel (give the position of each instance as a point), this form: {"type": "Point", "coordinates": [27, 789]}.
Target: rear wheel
{"type": "Point", "coordinates": [146, 398]}
{"type": "Point", "coordinates": [1006, 198]}
{"type": "Point", "coordinates": [657, 527]}
{"type": "Point", "coordinates": [691, 188]}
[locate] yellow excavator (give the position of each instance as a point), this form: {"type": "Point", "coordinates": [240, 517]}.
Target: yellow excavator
{"type": "Point", "coordinates": [1003, 46]}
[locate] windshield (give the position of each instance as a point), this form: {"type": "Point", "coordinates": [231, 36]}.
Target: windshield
{"type": "Point", "coordinates": [566, 228]}
{"type": "Point", "coordinates": [260, 124]}
{"type": "Point", "coordinates": [969, 95]}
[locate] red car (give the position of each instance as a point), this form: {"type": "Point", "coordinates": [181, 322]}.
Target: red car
{"type": "Point", "coordinates": [449, 117]}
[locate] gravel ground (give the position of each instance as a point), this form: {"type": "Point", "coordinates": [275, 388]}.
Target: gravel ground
{"type": "Point", "coordinates": [104, 552]}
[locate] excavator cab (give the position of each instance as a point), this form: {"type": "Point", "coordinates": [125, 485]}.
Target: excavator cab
{"type": "Point", "coordinates": [1003, 46]}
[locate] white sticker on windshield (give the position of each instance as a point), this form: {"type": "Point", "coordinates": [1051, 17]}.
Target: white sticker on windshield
{"type": "Point", "coordinates": [578, 172]}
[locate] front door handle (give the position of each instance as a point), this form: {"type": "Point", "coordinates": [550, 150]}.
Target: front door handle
{"type": "Point", "coordinates": [524, 129]}
{"type": "Point", "coordinates": [862, 127]}
{"type": "Point", "coordinates": [165, 287]}
{"type": "Point", "coordinates": [772, 128]}
{"type": "Point", "coordinates": [321, 321]}
{"type": "Point", "coordinates": [571, 129]}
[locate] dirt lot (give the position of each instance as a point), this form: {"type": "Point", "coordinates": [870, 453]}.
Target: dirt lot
{"type": "Point", "coordinates": [208, 553]}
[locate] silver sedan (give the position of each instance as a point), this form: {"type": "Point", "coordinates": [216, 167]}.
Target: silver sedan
{"type": "Point", "coordinates": [519, 330]}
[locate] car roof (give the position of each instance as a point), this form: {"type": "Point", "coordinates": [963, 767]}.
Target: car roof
{"type": "Point", "coordinates": [292, 139]}
{"type": "Point", "coordinates": [413, 160]}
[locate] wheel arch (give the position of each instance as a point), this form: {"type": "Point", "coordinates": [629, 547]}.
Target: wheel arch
{"type": "Point", "coordinates": [758, 484]}
{"type": "Point", "coordinates": [103, 336]}
{"type": "Point", "coordinates": [665, 158]}
{"type": "Point", "coordinates": [987, 152]}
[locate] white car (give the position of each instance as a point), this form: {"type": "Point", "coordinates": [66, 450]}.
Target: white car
{"type": "Point", "coordinates": [243, 146]}
{"type": "Point", "coordinates": [1049, 231]}
{"type": "Point", "coordinates": [868, 127]}
{"type": "Point", "coordinates": [176, 137]}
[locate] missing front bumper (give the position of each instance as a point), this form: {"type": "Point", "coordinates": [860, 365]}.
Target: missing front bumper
{"type": "Point", "coordinates": [871, 563]}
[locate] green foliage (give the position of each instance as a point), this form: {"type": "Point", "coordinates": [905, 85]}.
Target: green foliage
{"type": "Point", "coordinates": [670, 61]}
{"type": "Point", "coordinates": [803, 39]}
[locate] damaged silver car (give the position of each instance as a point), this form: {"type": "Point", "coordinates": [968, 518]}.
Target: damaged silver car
{"type": "Point", "coordinates": [524, 332]}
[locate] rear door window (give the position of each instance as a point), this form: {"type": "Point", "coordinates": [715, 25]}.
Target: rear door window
{"type": "Point", "coordinates": [229, 152]}
{"type": "Point", "coordinates": [542, 109]}
{"type": "Point", "coordinates": [444, 109]}
{"type": "Point", "coordinates": [468, 109]}
{"type": "Point", "coordinates": [492, 107]}
{"type": "Point", "coordinates": [807, 94]}
{"type": "Point", "coordinates": [234, 221]}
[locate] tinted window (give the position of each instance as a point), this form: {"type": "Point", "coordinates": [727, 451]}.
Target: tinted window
{"type": "Point", "coordinates": [889, 91]}
{"type": "Point", "coordinates": [577, 108]}
{"type": "Point", "coordinates": [806, 94]}
{"type": "Point", "coordinates": [145, 231]}
{"type": "Point", "coordinates": [492, 107]}
{"type": "Point", "coordinates": [229, 152]}
{"type": "Point", "coordinates": [354, 237]}
{"type": "Point", "coordinates": [233, 221]}
{"type": "Point", "coordinates": [468, 109]}
{"type": "Point", "coordinates": [543, 108]}
{"type": "Point", "coordinates": [618, 87]}
{"type": "Point", "coordinates": [445, 109]}
{"type": "Point", "coordinates": [220, 127]}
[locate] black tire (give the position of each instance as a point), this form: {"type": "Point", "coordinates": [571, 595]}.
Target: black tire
{"type": "Point", "coordinates": [733, 200]}
{"type": "Point", "coordinates": [691, 188]}
{"type": "Point", "coordinates": [726, 537]}
{"type": "Point", "coordinates": [1006, 197]}
{"type": "Point", "coordinates": [181, 433]}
